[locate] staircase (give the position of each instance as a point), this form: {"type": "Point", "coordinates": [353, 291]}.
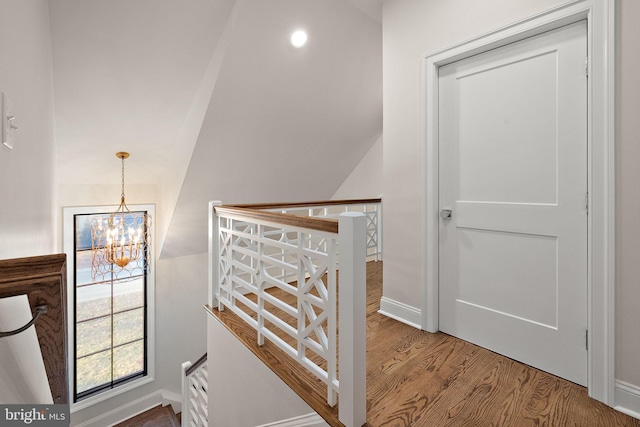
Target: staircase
{"type": "Point", "coordinates": [159, 416]}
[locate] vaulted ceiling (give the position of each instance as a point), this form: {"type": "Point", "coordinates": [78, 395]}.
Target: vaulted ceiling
{"type": "Point", "coordinates": [213, 102]}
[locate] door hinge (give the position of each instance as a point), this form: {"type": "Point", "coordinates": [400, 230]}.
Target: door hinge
{"type": "Point", "coordinates": [586, 66]}
{"type": "Point", "coordinates": [586, 202]}
{"type": "Point", "coordinates": [586, 339]}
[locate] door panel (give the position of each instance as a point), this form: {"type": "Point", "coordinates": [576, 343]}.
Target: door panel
{"type": "Point", "coordinates": [523, 291]}
{"type": "Point", "coordinates": [513, 169]}
{"type": "Point", "coordinates": [496, 109]}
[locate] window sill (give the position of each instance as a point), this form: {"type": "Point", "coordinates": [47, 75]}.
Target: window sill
{"type": "Point", "coordinates": [90, 401]}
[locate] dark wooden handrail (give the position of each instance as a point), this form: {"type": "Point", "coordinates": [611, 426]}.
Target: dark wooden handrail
{"type": "Point", "coordinates": [43, 280]}
{"type": "Point", "coordinates": [320, 224]}
{"type": "Point", "coordinates": [196, 365]}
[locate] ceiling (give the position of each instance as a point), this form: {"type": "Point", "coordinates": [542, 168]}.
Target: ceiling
{"type": "Point", "coordinates": [212, 102]}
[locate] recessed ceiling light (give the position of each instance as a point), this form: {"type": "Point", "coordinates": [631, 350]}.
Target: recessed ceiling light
{"type": "Point", "coordinates": [298, 38]}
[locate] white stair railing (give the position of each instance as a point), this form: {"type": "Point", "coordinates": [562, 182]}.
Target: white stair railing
{"type": "Point", "coordinates": [194, 393]}
{"type": "Point", "coordinates": [371, 208]}
{"type": "Point", "coordinates": [259, 263]}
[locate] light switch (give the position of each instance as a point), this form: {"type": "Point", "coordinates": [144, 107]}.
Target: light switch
{"type": "Point", "coordinates": [8, 122]}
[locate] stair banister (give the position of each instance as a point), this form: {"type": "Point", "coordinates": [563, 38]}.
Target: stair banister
{"type": "Point", "coordinates": [357, 234]}
{"type": "Point", "coordinates": [194, 393]}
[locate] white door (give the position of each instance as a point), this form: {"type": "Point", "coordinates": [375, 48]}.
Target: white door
{"type": "Point", "coordinates": [513, 172]}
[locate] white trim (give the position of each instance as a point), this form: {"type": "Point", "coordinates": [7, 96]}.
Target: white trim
{"type": "Point", "coordinates": [68, 247]}
{"type": "Point", "coordinates": [600, 15]}
{"type": "Point", "coordinates": [401, 312]}
{"type": "Point", "coordinates": [628, 399]}
{"type": "Point", "coordinates": [309, 420]}
{"type": "Point", "coordinates": [125, 412]}
{"type": "Point", "coordinates": [173, 399]}
{"type": "Point", "coordinates": [101, 397]}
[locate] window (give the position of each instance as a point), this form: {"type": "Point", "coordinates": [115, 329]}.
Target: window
{"type": "Point", "coordinates": [110, 316]}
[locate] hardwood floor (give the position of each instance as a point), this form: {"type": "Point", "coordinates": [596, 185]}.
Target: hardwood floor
{"type": "Point", "coordinates": [419, 379]}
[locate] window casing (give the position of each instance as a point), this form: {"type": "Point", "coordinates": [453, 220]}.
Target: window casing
{"type": "Point", "coordinates": [111, 334]}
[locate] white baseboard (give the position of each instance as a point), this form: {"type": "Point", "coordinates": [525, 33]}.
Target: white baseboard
{"type": "Point", "coordinates": [401, 312]}
{"type": "Point", "coordinates": [309, 420]}
{"type": "Point", "coordinates": [173, 399]}
{"type": "Point", "coordinates": [627, 399]}
{"type": "Point", "coordinates": [133, 408]}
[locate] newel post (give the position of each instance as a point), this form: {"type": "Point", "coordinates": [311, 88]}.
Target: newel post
{"type": "Point", "coordinates": [352, 319]}
{"type": "Point", "coordinates": [214, 254]}
{"type": "Point", "coordinates": [186, 413]}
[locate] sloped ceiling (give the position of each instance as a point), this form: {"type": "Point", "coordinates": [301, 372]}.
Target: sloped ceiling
{"type": "Point", "coordinates": [281, 124]}
{"type": "Point", "coordinates": [125, 75]}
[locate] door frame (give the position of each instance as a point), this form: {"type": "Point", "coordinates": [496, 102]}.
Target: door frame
{"type": "Point", "coordinates": [600, 16]}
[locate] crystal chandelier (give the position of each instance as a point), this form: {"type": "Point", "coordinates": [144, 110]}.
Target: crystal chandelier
{"type": "Point", "coordinates": [120, 241]}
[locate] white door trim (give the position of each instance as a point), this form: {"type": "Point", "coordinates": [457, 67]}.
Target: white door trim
{"type": "Point", "coordinates": [600, 16]}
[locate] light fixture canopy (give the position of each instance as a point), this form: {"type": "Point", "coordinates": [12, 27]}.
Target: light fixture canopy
{"type": "Point", "coordinates": [120, 241]}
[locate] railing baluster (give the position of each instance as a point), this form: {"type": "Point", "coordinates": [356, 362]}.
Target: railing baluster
{"type": "Point", "coordinates": [261, 284]}
{"type": "Point", "coordinates": [300, 295]}
{"type": "Point", "coordinates": [332, 326]}
{"type": "Point", "coordinates": [214, 254]}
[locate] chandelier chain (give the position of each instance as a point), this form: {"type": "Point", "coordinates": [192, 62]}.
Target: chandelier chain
{"type": "Point", "coordinates": [122, 177]}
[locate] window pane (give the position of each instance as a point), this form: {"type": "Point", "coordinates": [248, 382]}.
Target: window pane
{"type": "Point", "coordinates": [93, 336]}
{"type": "Point", "coordinates": [93, 371]}
{"type": "Point", "coordinates": [83, 267]}
{"type": "Point", "coordinates": [110, 309]}
{"type": "Point", "coordinates": [128, 294]}
{"type": "Point", "coordinates": [128, 326]}
{"type": "Point", "coordinates": [128, 359]}
{"type": "Point", "coordinates": [93, 301]}
{"type": "Point", "coordinates": [83, 232]}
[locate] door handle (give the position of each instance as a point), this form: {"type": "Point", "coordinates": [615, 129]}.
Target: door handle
{"type": "Point", "coordinates": [446, 214]}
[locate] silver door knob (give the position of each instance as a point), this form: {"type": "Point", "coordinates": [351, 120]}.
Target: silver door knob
{"type": "Point", "coordinates": [446, 214]}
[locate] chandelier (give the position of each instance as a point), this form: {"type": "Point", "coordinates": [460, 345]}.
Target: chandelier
{"type": "Point", "coordinates": [120, 241]}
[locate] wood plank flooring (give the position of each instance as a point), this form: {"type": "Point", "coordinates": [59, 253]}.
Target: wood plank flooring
{"type": "Point", "coordinates": [419, 379]}
{"type": "Point", "coordinates": [158, 416]}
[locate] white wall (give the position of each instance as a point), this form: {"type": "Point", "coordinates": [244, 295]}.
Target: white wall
{"type": "Point", "coordinates": [413, 28]}
{"type": "Point", "coordinates": [627, 197]}
{"type": "Point", "coordinates": [243, 392]}
{"type": "Point", "coordinates": [181, 326]}
{"type": "Point", "coordinates": [366, 179]}
{"type": "Point", "coordinates": [26, 181]}
{"type": "Point", "coordinates": [27, 172]}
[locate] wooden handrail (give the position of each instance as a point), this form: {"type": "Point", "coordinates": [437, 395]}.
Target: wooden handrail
{"type": "Point", "coordinates": [306, 204]}
{"type": "Point", "coordinates": [320, 224]}
{"type": "Point", "coordinates": [196, 365]}
{"type": "Point", "coordinates": [258, 211]}
{"type": "Point", "coordinates": [43, 280]}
